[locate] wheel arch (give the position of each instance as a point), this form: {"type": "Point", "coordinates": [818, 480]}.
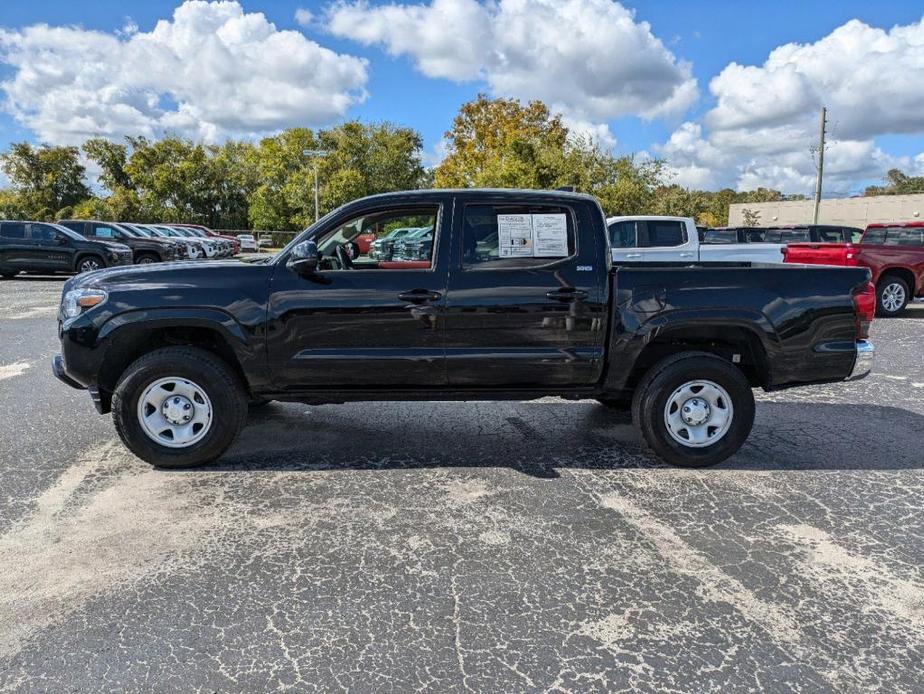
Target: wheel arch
{"type": "Point", "coordinates": [740, 344]}
{"type": "Point", "coordinates": [81, 255]}
{"type": "Point", "coordinates": [219, 335]}
{"type": "Point", "coordinates": [903, 273]}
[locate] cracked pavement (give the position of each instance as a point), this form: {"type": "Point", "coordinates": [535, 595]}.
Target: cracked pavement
{"type": "Point", "coordinates": [476, 546]}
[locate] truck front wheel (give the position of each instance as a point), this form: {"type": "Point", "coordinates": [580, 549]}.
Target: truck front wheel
{"type": "Point", "coordinates": [179, 407]}
{"type": "Point", "coordinates": [694, 409]}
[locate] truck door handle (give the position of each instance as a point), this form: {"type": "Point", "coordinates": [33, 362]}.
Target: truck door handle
{"type": "Point", "coordinates": [419, 296]}
{"type": "Point", "coordinates": [633, 255]}
{"type": "Point", "coordinates": [567, 294]}
{"type": "Point", "coordinates": [686, 255]}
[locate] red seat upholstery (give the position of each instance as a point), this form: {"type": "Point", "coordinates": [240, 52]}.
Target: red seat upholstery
{"type": "Point", "coordinates": [404, 265]}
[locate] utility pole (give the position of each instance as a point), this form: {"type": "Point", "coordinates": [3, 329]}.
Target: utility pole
{"type": "Point", "coordinates": [821, 164]}
{"type": "Point", "coordinates": [315, 153]}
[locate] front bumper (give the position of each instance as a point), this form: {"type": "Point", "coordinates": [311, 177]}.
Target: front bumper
{"type": "Point", "coordinates": [101, 401]}
{"type": "Point", "coordinates": [57, 368]}
{"type": "Point", "coordinates": [864, 363]}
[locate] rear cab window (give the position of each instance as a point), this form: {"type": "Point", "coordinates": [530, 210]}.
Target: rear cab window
{"type": "Point", "coordinates": [501, 236]}
{"type": "Point", "coordinates": [720, 236]}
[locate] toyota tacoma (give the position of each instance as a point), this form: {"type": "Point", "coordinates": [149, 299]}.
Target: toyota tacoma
{"type": "Point", "coordinates": [519, 299]}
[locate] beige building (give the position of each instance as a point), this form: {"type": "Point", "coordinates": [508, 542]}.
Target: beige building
{"type": "Point", "coordinates": [854, 212]}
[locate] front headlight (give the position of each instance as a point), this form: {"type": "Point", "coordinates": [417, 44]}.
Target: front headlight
{"type": "Point", "coordinates": [78, 300]}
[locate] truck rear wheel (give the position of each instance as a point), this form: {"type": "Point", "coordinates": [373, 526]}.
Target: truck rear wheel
{"type": "Point", "coordinates": [891, 296]}
{"type": "Point", "coordinates": [694, 409]}
{"type": "Point", "coordinates": [179, 407]}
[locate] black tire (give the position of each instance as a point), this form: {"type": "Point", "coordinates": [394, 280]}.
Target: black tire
{"type": "Point", "coordinates": [211, 374]}
{"type": "Point", "coordinates": [891, 296]}
{"type": "Point", "coordinates": [84, 263]}
{"type": "Point", "coordinates": [616, 404]}
{"type": "Point", "coordinates": [146, 259]}
{"type": "Point", "coordinates": [664, 379]}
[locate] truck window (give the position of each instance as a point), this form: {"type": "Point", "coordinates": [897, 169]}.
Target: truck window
{"type": "Point", "coordinates": [481, 236]}
{"type": "Point", "coordinates": [831, 235]}
{"type": "Point", "coordinates": [402, 239]}
{"type": "Point", "coordinates": [904, 236]}
{"type": "Point", "coordinates": [663, 233]}
{"type": "Point", "coordinates": [874, 235]}
{"type": "Point", "coordinates": [754, 235]}
{"type": "Point", "coordinates": [623, 235]}
{"type": "Point", "coordinates": [13, 230]}
{"type": "Point", "coordinates": [720, 236]}
{"type": "Point", "coordinates": [101, 231]}
{"type": "Point", "coordinates": [43, 232]}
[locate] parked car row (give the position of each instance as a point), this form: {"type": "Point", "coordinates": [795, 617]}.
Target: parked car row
{"type": "Point", "coordinates": [82, 245]}
{"type": "Point", "coordinates": [894, 253]}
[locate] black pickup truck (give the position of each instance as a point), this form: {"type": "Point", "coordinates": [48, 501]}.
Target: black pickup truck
{"type": "Point", "coordinates": [518, 300]}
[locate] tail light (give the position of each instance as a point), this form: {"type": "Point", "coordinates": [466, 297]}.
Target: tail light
{"type": "Point", "coordinates": [851, 256]}
{"type": "Point", "coordinates": [864, 301]}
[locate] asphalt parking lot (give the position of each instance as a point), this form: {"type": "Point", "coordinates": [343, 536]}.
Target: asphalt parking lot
{"type": "Point", "coordinates": [462, 546]}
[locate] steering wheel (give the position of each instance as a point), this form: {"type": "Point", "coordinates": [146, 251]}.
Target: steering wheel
{"type": "Point", "coordinates": [345, 253]}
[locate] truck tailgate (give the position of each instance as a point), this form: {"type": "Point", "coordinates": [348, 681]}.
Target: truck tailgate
{"type": "Point", "coordinates": [820, 254]}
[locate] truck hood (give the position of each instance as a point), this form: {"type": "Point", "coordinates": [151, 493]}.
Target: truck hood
{"type": "Point", "coordinates": [183, 273]}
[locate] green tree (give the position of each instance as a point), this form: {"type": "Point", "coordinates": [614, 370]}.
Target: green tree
{"type": "Point", "coordinates": [44, 178]}
{"type": "Point", "coordinates": [502, 143]}
{"type": "Point", "coordinates": [897, 183]}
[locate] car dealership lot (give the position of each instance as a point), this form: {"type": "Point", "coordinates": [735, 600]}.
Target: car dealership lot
{"type": "Point", "coordinates": [483, 546]}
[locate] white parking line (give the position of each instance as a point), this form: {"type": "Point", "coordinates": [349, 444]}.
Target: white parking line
{"type": "Point", "coordinates": [15, 369]}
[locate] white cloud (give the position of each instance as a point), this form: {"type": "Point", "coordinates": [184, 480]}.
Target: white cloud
{"type": "Point", "coordinates": [211, 71]}
{"type": "Point", "coordinates": [589, 59]}
{"type": "Point", "coordinates": [765, 121]}
{"type": "Point", "coordinates": [303, 17]}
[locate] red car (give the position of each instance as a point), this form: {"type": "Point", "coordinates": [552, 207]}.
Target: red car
{"type": "Point", "coordinates": [235, 244]}
{"type": "Point", "coordinates": [893, 251]}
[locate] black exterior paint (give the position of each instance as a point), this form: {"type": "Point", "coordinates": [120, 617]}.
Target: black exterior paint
{"type": "Point", "coordinates": [575, 327]}
{"type": "Point", "coordinates": [46, 252]}
{"type": "Point", "coordinates": [162, 249]}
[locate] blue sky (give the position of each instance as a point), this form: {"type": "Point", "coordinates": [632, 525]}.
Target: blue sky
{"type": "Point", "coordinates": [708, 35]}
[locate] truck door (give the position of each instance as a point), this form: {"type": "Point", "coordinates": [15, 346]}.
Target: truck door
{"type": "Point", "coordinates": [360, 322]}
{"type": "Point", "coordinates": [517, 320]}
{"type": "Point", "coordinates": [53, 249]}
{"type": "Point", "coordinates": [624, 240]}
{"type": "Point", "coordinates": [667, 240]}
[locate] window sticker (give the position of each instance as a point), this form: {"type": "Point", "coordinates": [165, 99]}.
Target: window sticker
{"type": "Point", "coordinates": [550, 235]}
{"type": "Point", "coordinates": [515, 235]}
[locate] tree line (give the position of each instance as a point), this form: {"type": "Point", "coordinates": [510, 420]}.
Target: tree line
{"type": "Point", "coordinates": [270, 184]}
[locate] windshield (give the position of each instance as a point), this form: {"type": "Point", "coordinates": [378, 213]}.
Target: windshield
{"type": "Point", "coordinates": [141, 231]}
{"type": "Point", "coordinates": [127, 230]}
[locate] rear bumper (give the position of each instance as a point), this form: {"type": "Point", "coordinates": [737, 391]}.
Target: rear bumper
{"type": "Point", "coordinates": [864, 363]}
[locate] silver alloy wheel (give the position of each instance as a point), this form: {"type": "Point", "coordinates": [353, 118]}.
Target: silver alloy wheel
{"type": "Point", "coordinates": [698, 414]}
{"type": "Point", "coordinates": [893, 297]}
{"type": "Point", "coordinates": [174, 412]}
{"type": "Point", "coordinates": [89, 265]}
{"type": "Point", "coordinates": [146, 260]}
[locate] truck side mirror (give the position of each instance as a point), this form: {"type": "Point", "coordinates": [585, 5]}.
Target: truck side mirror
{"type": "Point", "coordinates": [61, 239]}
{"type": "Point", "coordinates": [304, 258]}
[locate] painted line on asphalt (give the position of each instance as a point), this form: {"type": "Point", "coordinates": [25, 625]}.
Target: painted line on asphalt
{"type": "Point", "coordinates": [825, 562]}
{"type": "Point", "coordinates": [14, 369]}
{"type": "Point", "coordinates": [715, 584]}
